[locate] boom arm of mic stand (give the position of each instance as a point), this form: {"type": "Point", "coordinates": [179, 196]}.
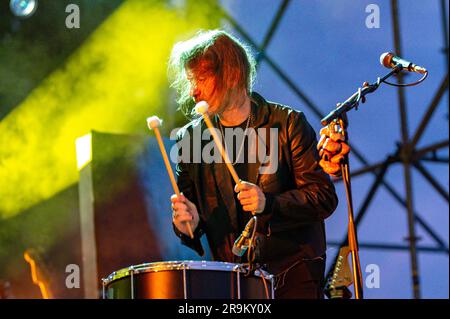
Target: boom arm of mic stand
{"type": "Point", "coordinates": [353, 100]}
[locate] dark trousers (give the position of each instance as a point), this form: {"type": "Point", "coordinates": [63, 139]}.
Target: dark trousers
{"type": "Point", "coordinates": [302, 280]}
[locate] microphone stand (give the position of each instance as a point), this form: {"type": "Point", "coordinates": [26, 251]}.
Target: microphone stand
{"type": "Point", "coordinates": [339, 116]}
{"type": "Point", "coordinates": [353, 101]}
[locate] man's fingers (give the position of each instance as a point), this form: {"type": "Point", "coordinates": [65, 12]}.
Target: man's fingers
{"type": "Point", "coordinates": [181, 211]}
{"type": "Point", "coordinates": [329, 168]}
{"type": "Point", "coordinates": [345, 148]}
{"type": "Point", "coordinates": [335, 171]}
{"type": "Point", "coordinates": [325, 131]}
{"type": "Point", "coordinates": [332, 150]}
{"type": "Point", "coordinates": [247, 201]}
{"type": "Point", "coordinates": [325, 154]}
{"type": "Point", "coordinates": [242, 186]}
{"type": "Point", "coordinates": [179, 206]}
{"type": "Point", "coordinates": [321, 141]}
{"type": "Point", "coordinates": [181, 217]}
{"type": "Point", "coordinates": [190, 205]}
{"type": "Point", "coordinates": [337, 137]}
{"type": "Point", "coordinates": [249, 208]}
{"type": "Point", "coordinates": [332, 146]}
{"type": "Point", "coordinates": [245, 194]}
{"type": "Point", "coordinates": [178, 198]}
{"type": "Point", "coordinates": [337, 159]}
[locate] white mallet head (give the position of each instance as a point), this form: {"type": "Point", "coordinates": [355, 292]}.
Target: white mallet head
{"type": "Point", "coordinates": [153, 122]}
{"type": "Point", "coordinates": [201, 107]}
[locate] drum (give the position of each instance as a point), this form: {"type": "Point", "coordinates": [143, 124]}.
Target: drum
{"type": "Point", "coordinates": [188, 280]}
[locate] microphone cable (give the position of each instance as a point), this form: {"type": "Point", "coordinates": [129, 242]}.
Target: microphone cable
{"type": "Point", "coordinates": [407, 84]}
{"type": "Point", "coordinates": [250, 248]}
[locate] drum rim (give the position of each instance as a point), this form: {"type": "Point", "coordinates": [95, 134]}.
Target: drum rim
{"type": "Point", "coordinates": [176, 265]}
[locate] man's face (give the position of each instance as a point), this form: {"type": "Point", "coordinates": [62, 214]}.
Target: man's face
{"type": "Point", "coordinates": [203, 88]}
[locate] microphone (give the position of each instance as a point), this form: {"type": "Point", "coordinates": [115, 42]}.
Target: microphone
{"type": "Point", "coordinates": [238, 247]}
{"type": "Point", "coordinates": [390, 60]}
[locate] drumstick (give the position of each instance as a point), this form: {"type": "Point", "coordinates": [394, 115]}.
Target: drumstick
{"type": "Point", "coordinates": [201, 108]}
{"type": "Point", "coordinates": [153, 123]}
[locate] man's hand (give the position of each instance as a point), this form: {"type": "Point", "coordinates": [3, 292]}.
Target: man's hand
{"type": "Point", "coordinates": [251, 197]}
{"type": "Point", "coordinates": [183, 212]}
{"type": "Point", "coordinates": [332, 149]}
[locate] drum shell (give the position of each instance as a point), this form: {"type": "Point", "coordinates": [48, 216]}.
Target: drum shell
{"type": "Point", "coordinates": [188, 284]}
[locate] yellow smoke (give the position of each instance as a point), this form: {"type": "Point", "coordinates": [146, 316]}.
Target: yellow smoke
{"type": "Point", "coordinates": [112, 83]}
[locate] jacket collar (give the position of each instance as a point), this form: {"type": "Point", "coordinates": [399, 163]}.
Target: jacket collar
{"type": "Point", "coordinates": [259, 107]}
{"type": "Point", "coordinates": [261, 110]}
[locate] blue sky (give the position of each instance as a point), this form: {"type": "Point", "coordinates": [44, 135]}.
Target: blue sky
{"type": "Point", "coordinates": [325, 47]}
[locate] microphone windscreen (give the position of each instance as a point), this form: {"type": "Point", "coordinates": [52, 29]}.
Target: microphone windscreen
{"type": "Point", "coordinates": [239, 251]}
{"type": "Point", "coordinates": [385, 59]}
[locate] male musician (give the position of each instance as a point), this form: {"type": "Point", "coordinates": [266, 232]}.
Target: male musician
{"type": "Point", "coordinates": [291, 202]}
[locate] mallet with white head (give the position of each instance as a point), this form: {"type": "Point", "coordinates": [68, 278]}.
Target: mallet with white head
{"type": "Point", "coordinates": [201, 108]}
{"type": "Point", "coordinates": [154, 123]}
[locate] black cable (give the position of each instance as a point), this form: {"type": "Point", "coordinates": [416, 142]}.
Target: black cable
{"type": "Point", "coordinates": [408, 84]}
{"type": "Point", "coordinates": [250, 251]}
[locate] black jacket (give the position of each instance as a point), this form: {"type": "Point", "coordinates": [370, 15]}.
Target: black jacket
{"type": "Point", "coordinates": [299, 195]}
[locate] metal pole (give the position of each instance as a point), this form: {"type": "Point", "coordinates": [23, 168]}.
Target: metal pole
{"type": "Point", "coordinates": [430, 110]}
{"type": "Point", "coordinates": [366, 245]}
{"type": "Point", "coordinates": [366, 203]}
{"type": "Point", "coordinates": [432, 181]}
{"type": "Point", "coordinates": [272, 28]}
{"type": "Point", "coordinates": [352, 233]}
{"type": "Point", "coordinates": [405, 156]}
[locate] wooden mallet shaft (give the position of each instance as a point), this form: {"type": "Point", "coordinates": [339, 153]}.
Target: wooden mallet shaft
{"type": "Point", "coordinates": [153, 123]}
{"type": "Point", "coordinates": [202, 108]}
